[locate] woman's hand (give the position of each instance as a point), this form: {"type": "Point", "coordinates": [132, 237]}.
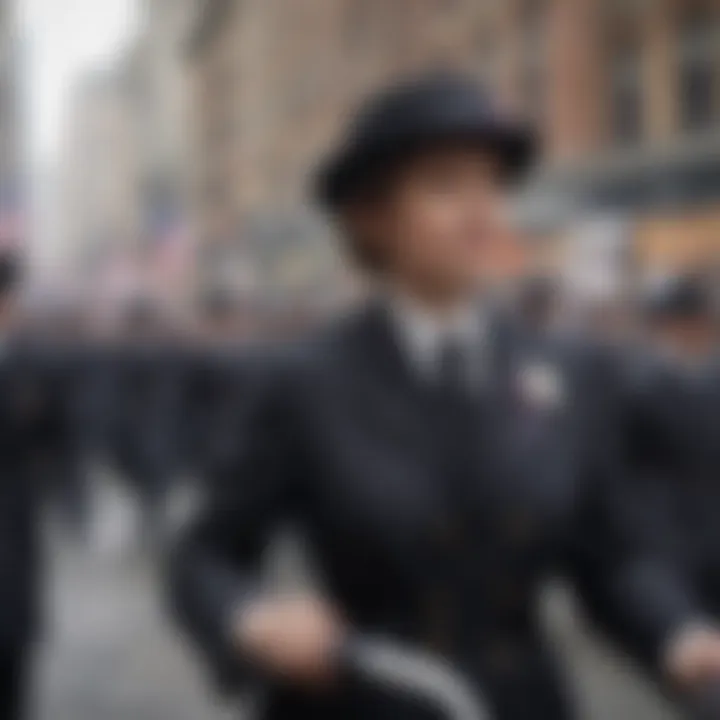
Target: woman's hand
{"type": "Point", "coordinates": [693, 657]}
{"type": "Point", "coordinates": [292, 637]}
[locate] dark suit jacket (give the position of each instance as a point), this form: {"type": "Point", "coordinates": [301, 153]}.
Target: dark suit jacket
{"type": "Point", "coordinates": [434, 519]}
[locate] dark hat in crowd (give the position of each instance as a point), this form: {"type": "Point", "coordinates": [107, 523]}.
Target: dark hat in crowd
{"type": "Point", "coordinates": [682, 297]}
{"type": "Point", "coordinates": [416, 114]}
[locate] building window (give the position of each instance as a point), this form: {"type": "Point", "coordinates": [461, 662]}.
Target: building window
{"type": "Point", "coordinates": [534, 32]}
{"type": "Point", "coordinates": [360, 26]}
{"type": "Point", "coordinates": [486, 43]}
{"type": "Point", "coordinates": [698, 63]}
{"type": "Point", "coordinates": [626, 94]}
{"type": "Point", "coordinates": [447, 5]}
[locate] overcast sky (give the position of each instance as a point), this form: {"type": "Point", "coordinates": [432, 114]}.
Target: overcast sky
{"type": "Point", "coordinates": [66, 38]}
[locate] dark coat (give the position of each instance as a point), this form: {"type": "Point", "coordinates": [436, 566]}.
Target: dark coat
{"type": "Point", "coordinates": [146, 382]}
{"type": "Point", "coordinates": [32, 428]}
{"type": "Point", "coordinates": [219, 386]}
{"type": "Point", "coordinates": [434, 519]}
{"type": "Point", "coordinates": [68, 368]}
{"type": "Point", "coordinates": [680, 462]}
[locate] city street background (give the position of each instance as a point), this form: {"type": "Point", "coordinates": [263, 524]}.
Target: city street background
{"type": "Point", "coordinates": [112, 653]}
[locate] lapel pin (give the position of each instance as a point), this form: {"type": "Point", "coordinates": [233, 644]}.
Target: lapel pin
{"type": "Point", "coordinates": [541, 385]}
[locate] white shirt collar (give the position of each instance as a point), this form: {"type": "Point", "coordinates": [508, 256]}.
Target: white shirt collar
{"type": "Point", "coordinates": [423, 334]}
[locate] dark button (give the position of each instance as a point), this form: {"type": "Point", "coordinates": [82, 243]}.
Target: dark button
{"type": "Point", "coordinates": [519, 527]}
{"type": "Point", "coordinates": [509, 594]}
{"type": "Point", "coordinates": [438, 621]}
{"type": "Point", "coordinates": [502, 655]}
{"type": "Point", "coordinates": [450, 531]}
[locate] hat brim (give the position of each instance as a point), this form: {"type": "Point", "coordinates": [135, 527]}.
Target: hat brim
{"type": "Point", "coordinates": [353, 170]}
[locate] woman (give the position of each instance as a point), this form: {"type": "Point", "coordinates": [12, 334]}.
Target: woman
{"type": "Point", "coordinates": [440, 466]}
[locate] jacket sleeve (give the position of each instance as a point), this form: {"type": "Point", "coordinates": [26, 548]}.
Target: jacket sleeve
{"type": "Point", "coordinates": [216, 566]}
{"type": "Point", "coordinates": [630, 581]}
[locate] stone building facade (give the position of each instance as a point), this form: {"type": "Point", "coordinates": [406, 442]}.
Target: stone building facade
{"type": "Point", "coordinates": [626, 94]}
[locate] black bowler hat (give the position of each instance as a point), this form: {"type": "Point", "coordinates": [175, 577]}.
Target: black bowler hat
{"type": "Point", "coordinates": [682, 297]}
{"type": "Point", "coordinates": [413, 115]}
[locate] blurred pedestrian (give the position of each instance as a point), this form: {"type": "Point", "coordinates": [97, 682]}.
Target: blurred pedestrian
{"type": "Point", "coordinates": [32, 420]}
{"type": "Point", "coordinates": [682, 320]}
{"type": "Point", "coordinates": [684, 327]}
{"type": "Point", "coordinates": [216, 383]}
{"type": "Point", "coordinates": [147, 371]}
{"type": "Point", "coordinates": [61, 343]}
{"type": "Point", "coordinates": [441, 463]}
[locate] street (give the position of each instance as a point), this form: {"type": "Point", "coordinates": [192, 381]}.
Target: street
{"type": "Point", "coordinates": [112, 655]}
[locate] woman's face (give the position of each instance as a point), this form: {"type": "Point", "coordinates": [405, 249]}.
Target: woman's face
{"type": "Point", "coordinates": [440, 217]}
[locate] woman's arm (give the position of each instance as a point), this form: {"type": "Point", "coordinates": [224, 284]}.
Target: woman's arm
{"type": "Point", "coordinates": [625, 570]}
{"type": "Point", "coordinates": [215, 568]}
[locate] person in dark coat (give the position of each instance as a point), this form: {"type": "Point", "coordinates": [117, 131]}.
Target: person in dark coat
{"type": "Point", "coordinates": [147, 374]}
{"type": "Point", "coordinates": [681, 315]}
{"type": "Point", "coordinates": [32, 423]}
{"type": "Point", "coordinates": [440, 464]}
{"type": "Point", "coordinates": [213, 392]}
{"type": "Point", "coordinates": [685, 410]}
{"type": "Point", "coordinates": [63, 346]}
